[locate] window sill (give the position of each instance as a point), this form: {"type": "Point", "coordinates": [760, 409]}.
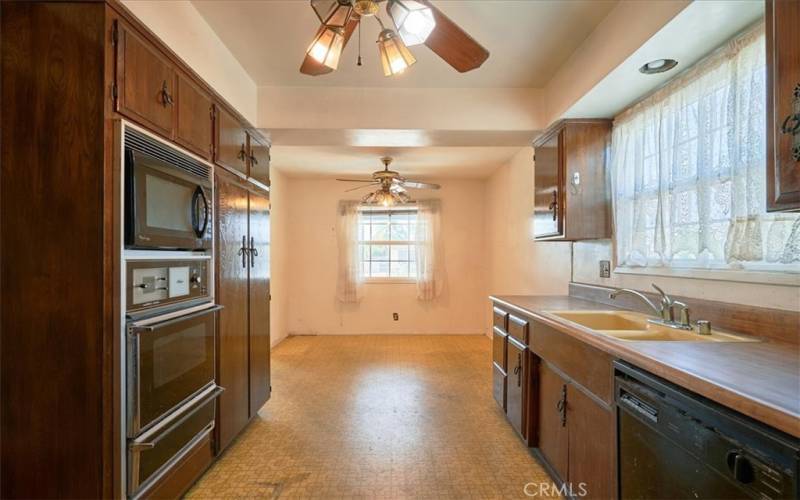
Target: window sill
{"type": "Point", "coordinates": [734, 275]}
{"type": "Point", "coordinates": [390, 281]}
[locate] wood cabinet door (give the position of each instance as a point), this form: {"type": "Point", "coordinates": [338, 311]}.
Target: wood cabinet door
{"type": "Point", "coordinates": [592, 443]}
{"type": "Point", "coordinates": [783, 105]}
{"type": "Point", "coordinates": [232, 294]}
{"type": "Point", "coordinates": [145, 82]}
{"type": "Point", "coordinates": [231, 142]}
{"type": "Point", "coordinates": [515, 385]}
{"type": "Point", "coordinates": [194, 124]}
{"type": "Point", "coordinates": [548, 197]}
{"type": "Point", "coordinates": [553, 435]}
{"type": "Point", "coordinates": [259, 301]}
{"type": "Point", "coordinates": [499, 385]}
{"type": "Point", "coordinates": [259, 160]}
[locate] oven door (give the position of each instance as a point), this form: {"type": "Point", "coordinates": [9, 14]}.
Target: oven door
{"type": "Point", "coordinates": [166, 207]}
{"type": "Point", "coordinates": [170, 359]}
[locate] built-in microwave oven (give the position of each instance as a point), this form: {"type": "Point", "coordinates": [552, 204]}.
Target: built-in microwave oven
{"type": "Point", "coordinates": [168, 196]}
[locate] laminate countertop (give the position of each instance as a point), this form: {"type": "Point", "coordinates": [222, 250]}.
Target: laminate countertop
{"type": "Point", "coordinates": [758, 379]}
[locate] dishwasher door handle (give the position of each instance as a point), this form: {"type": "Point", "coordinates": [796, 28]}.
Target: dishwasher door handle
{"type": "Point", "coordinates": [638, 407]}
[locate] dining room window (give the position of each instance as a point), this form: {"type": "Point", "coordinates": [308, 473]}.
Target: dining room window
{"type": "Point", "coordinates": [387, 243]}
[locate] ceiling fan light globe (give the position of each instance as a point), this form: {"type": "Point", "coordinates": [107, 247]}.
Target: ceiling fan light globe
{"type": "Point", "coordinates": [333, 13]}
{"type": "Point", "coordinates": [327, 47]}
{"type": "Point", "coordinates": [414, 21]}
{"type": "Point", "coordinates": [395, 56]}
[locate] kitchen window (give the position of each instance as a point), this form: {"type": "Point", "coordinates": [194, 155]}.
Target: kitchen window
{"type": "Point", "coordinates": [688, 173]}
{"type": "Point", "coordinates": [387, 244]}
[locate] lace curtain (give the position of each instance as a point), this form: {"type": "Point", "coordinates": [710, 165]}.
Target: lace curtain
{"type": "Point", "coordinates": [348, 285]}
{"type": "Point", "coordinates": [430, 256]}
{"type": "Point", "coordinates": [688, 170]}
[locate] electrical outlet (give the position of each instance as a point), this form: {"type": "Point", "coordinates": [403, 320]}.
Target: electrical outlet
{"type": "Point", "coordinates": [605, 268]}
{"type": "Point", "coordinates": [395, 316]}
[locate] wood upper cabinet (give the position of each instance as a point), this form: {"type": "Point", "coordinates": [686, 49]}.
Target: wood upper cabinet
{"type": "Point", "coordinates": [145, 82]}
{"type": "Point", "coordinates": [592, 443]}
{"type": "Point", "coordinates": [516, 385]}
{"type": "Point", "coordinates": [233, 295]}
{"type": "Point", "coordinates": [231, 142]}
{"type": "Point", "coordinates": [783, 105]}
{"type": "Point", "coordinates": [193, 127]}
{"type": "Point", "coordinates": [553, 437]}
{"type": "Point", "coordinates": [259, 159]}
{"type": "Point", "coordinates": [571, 201]}
{"type": "Point", "coordinates": [259, 301]}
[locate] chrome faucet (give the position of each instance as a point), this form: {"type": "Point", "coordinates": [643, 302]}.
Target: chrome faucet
{"type": "Point", "coordinates": [665, 309]}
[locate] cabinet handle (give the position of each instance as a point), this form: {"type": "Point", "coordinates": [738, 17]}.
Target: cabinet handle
{"type": "Point", "coordinates": [242, 155]}
{"type": "Point", "coordinates": [554, 204]}
{"type": "Point", "coordinates": [518, 370]}
{"type": "Point", "coordinates": [791, 124]}
{"type": "Point", "coordinates": [244, 251]}
{"type": "Point", "coordinates": [253, 252]}
{"type": "Point", "coordinates": [166, 98]}
{"type": "Point", "coordinates": [561, 406]}
{"type": "Point", "coordinates": [253, 160]}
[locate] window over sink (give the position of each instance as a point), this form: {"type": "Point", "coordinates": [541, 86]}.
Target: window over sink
{"type": "Point", "coordinates": [688, 172]}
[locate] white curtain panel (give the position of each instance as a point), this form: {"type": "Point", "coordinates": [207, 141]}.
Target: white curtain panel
{"type": "Point", "coordinates": [350, 279]}
{"type": "Point", "coordinates": [430, 256]}
{"type": "Point", "coordinates": [688, 169]}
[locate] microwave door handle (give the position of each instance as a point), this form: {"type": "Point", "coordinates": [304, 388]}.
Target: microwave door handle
{"type": "Point", "coordinates": [199, 195]}
{"type": "Point", "coordinates": [151, 328]}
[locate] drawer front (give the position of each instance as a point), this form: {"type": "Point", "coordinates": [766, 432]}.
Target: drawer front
{"type": "Point", "coordinates": [499, 385]}
{"type": "Point", "coordinates": [499, 347]}
{"type": "Point", "coordinates": [518, 328]}
{"type": "Point", "coordinates": [500, 318]}
{"type": "Point", "coordinates": [582, 363]}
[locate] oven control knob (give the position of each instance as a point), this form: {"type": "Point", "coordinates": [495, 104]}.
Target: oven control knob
{"type": "Point", "coordinates": [196, 279]}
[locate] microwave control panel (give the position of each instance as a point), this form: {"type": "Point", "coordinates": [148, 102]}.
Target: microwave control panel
{"type": "Point", "coordinates": [163, 282]}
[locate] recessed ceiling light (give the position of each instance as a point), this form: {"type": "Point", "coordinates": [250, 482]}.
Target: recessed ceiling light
{"type": "Point", "coordinates": [658, 66]}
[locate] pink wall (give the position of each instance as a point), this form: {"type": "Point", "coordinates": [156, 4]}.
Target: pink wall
{"type": "Point", "coordinates": [311, 307]}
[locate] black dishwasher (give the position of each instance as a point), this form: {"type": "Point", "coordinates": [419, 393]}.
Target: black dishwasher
{"type": "Point", "coordinates": [674, 444]}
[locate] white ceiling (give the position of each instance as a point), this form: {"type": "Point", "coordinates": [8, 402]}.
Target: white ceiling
{"type": "Point", "coordinates": [421, 163]}
{"type": "Point", "coordinates": [528, 41]}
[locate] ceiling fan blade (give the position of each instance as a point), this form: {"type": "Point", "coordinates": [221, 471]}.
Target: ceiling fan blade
{"type": "Point", "coordinates": [371, 181]}
{"type": "Point", "coordinates": [362, 187]}
{"type": "Point", "coordinates": [418, 185]}
{"type": "Point", "coordinates": [453, 44]}
{"type": "Point", "coordinates": [311, 66]}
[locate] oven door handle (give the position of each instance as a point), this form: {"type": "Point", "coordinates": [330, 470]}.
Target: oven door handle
{"type": "Point", "coordinates": [149, 445]}
{"type": "Point", "coordinates": [151, 328]}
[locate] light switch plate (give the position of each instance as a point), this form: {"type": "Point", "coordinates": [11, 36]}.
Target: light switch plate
{"type": "Point", "coordinates": [605, 268]}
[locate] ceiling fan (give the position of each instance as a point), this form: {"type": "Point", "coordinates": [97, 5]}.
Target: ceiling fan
{"type": "Point", "coordinates": [391, 186]}
{"type": "Point", "coordinates": [416, 22]}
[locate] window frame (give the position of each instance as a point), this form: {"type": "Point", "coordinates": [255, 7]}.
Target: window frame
{"type": "Point", "coordinates": [383, 280]}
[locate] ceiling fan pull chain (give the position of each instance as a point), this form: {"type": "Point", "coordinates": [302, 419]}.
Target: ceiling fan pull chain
{"type": "Point", "coordinates": [359, 44]}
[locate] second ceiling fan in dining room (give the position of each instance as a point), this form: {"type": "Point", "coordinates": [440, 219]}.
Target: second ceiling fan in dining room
{"type": "Point", "coordinates": [416, 22]}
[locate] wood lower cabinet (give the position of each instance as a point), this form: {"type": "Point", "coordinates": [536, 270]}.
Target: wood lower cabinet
{"type": "Point", "coordinates": [193, 118]}
{"type": "Point", "coordinates": [592, 444]}
{"type": "Point", "coordinates": [231, 142]}
{"type": "Point", "coordinates": [571, 201]}
{"type": "Point", "coordinates": [516, 385]}
{"type": "Point", "coordinates": [233, 294]}
{"type": "Point", "coordinates": [553, 436]}
{"type": "Point", "coordinates": [243, 290]}
{"type": "Point", "coordinates": [259, 302]}
{"type": "Point", "coordinates": [145, 81]}
{"type": "Point", "coordinates": [783, 105]}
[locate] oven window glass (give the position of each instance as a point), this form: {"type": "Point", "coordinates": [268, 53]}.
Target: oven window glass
{"type": "Point", "coordinates": [168, 204]}
{"type": "Point", "coordinates": [175, 361]}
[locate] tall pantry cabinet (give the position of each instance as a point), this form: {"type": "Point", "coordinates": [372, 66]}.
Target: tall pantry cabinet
{"type": "Point", "coordinates": [243, 280]}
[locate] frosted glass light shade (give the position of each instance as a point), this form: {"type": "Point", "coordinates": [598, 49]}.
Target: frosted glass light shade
{"type": "Point", "coordinates": [333, 13]}
{"type": "Point", "coordinates": [327, 47]}
{"type": "Point", "coordinates": [395, 56]}
{"type": "Point", "coordinates": [414, 21]}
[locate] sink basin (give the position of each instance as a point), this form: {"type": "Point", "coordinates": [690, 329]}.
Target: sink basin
{"type": "Point", "coordinates": [634, 327]}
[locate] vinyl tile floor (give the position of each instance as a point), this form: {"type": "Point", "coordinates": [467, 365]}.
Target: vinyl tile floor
{"type": "Point", "coordinates": [378, 417]}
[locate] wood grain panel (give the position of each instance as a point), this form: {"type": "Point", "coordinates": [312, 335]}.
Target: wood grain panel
{"type": "Point", "coordinates": [259, 300]}
{"type": "Point", "coordinates": [553, 437]}
{"type": "Point", "coordinates": [55, 275]}
{"type": "Point", "coordinates": [194, 126]}
{"type": "Point", "coordinates": [515, 386]}
{"type": "Point", "coordinates": [231, 142]}
{"type": "Point", "coordinates": [499, 348]}
{"type": "Point", "coordinates": [592, 444]}
{"type": "Point", "coordinates": [259, 159]}
{"type": "Point", "coordinates": [232, 293]}
{"type": "Point", "coordinates": [499, 385]}
{"type": "Point", "coordinates": [587, 207]}
{"type": "Point", "coordinates": [518, 328]}
{"type": "Point", "coordinates": [548, 219]}
{"type": "Point", "coordinates": [783, 81]}
{"type": "Point", "coordinates": [590, 367]}
{"type": "Point", "coordinates": [500, 319]}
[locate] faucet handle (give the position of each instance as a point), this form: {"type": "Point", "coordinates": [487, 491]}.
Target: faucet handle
{"type": "Point", "coordinates": [685, 313]}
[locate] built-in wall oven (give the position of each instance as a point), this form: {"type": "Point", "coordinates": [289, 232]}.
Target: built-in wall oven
{"type": "Point", "coordinates": [167, 196]}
